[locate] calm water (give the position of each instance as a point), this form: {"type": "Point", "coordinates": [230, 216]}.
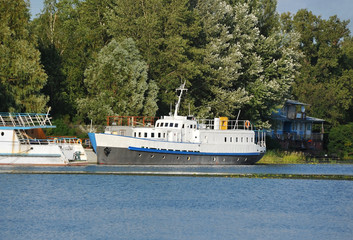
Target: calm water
{"type": "Point", "coordinates": [72, 206]}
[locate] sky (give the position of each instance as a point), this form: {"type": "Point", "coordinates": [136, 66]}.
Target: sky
{"type": "Point", "coordinates": [324, 8]}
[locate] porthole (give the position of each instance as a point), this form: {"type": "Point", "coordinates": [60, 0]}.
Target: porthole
{"type": "Point", "coordinates": [188, 158]}
{"type": "Point", "coordinates": [163, 157]}
{"type": "Point", "coordinates": [140, 155]}
{"type": "Point", "coordinates": [152, 156]}
{"type": "Point", "coordinates": [2, 133]}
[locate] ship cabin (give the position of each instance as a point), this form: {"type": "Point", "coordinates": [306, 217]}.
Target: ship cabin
{"type": "Point", "coordinates": [189, 130]}
{"type": "Point", "coordinates": [172, 129]}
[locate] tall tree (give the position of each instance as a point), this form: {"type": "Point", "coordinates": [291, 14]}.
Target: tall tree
{"type": "Point", "coordinates": [248, 70]}
{"type": "Point", "coordinates": [165, 32]}
{"type": "Point", "coordinates": [21, 75]}
{"type": "Point", "coordinates": [117, 84]}
{"type": "Point", "coordinates": [325, 83]}
{"type": "Point", "coordinates": [71, 33]}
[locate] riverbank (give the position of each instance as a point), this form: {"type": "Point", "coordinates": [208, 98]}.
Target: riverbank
{"type": "Point", "coordinates": [287, 157]}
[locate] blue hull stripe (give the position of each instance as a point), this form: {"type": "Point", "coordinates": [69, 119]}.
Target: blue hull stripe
{"type": "Point", "coordinates": [192, 153]}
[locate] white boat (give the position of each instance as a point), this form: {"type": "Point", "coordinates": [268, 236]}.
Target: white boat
{"type": "Point", "coordinates": [178, 140]}
{"type": "Point", "coordinates": [19, 142]}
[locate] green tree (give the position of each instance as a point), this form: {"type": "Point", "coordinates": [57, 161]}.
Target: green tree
{"type": "Point", "coordinates": [165, 33]}
{"type": "Point", "coordinates": [21, 74]}
{"type": "Point", "coordinates": [341, 140]}
{"type": "Point", "coordinates": [117, 84]}
{"type": "Point", "coordinates": [247, 69]}
{"type": "Point", "coordinates": [325, 82]}
{"type": "Point", "coordinates": [71, 33]}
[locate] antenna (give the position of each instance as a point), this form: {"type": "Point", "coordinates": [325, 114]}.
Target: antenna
{"type": "Point", "coordinates": [236, 122]}
{"type": "Point", "coordinates": [181, 89]}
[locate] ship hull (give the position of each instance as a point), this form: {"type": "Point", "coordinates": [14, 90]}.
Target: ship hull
{"type": "Point", "coordinates": [137, 156]}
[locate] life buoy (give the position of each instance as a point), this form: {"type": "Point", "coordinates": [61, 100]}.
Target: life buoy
{"type": "Point", "coordinates": [79, 141]}
{"type": "Point", "coordinates": [247, 124]}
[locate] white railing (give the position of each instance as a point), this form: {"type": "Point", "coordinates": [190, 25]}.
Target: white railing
{"type": "Point", "coordinates": [225, 124]}
{"type": "Point", "coordinates": [24, 119]}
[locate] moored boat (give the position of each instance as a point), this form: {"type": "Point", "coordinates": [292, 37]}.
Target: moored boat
{"type": "Point", "coordinates": [178, 140]}
{"type": "Point", "coordinates": [22, 142]}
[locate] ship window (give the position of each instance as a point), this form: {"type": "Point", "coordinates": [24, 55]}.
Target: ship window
{"type": "Point", "coordinates": [252, 140]}
{"type": "Point", "coordinates": [171, 125]}
{"type": "Point", "coordinates": [247, 139]}
{"type": "Point", "coordinates": [157, 124]}
{"type": "Point", "coordinates": [231, 139]}
{"type": "Point", "coordinates": [145, 135]}
{"type": "Point", "coordinates": [195, 126]}
{"type": "Point", "coordinates": [134, 134]}
{"type": "Point", "coordinates": [176, 125]}
{"type": "Point", "coordinates": [152, 135]}
{"type": "Point", "coordinates": [241, 139]}
{"type": "Point", "coordinates": [162, 124]}
{"type": "Point", "coordinates": [225, 139]}
{"type": "Point", "coordinates": [166, 125]}
{"type": "Point", "coordinates": [159, 135]}
{"type": "Point", "coordinates": [236, 139]}
{"type": "Point", "coordinates": [190, 126]}
{"type": "Point", "coordinates": [139, 134]}
{"type": "Point", "coordinates": [183, 126]}
{"type": "Point", "coordinates": [163, 135]}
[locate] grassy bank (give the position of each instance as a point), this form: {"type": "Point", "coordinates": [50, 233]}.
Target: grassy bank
{"type": "Point", "coordinates": [288, 157]}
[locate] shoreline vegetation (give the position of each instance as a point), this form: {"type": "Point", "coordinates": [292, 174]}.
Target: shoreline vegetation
{"type": "Point", "coordinates": [293, 157]}
{"type": "Point", "coordinates": [193, 174]}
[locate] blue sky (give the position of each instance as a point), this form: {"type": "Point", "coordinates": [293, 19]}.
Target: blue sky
{"type": "Point", "coordinates": [326, 8]}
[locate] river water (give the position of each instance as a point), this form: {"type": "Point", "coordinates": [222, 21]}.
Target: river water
{"type": "Point", "coordinates": [80, 206]}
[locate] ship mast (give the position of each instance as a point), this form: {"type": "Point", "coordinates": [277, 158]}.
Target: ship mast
{"type": "Point", "coordinates": [181, 89]}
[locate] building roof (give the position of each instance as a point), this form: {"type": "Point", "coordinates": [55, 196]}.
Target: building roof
{"type": "Point", "coordinates": [279, 116]}
{"type": "Point", "coordinates": [293, 102]}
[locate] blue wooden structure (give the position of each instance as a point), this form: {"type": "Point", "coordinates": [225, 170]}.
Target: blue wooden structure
{"type": "Point", "coordinates": [294, 129]}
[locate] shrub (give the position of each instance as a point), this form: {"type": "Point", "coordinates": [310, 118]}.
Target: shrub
{"type": "Point", "coordinates": [341, 141]}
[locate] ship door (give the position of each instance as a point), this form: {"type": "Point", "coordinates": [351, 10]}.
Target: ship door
{"type": "Point", "coordinates": [171, 137]}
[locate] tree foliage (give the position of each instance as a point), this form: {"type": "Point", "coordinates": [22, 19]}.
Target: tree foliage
{"type": "Point", "coordinates": [165, 32]}
{"type": "Point", "coordinates": [341, 140]}
{"type": "Point", "coordinates": [247, 70]}
{"type": "Point", "coordinates": [21, 75]}
{"type": "Point", "coordinates": [71, 33]}
{"type": "Point", "coordinates": [325, 81]}
{"type": "Point", "coordinates": [233, 54]}
{"type": "Point", "coordinates": [117, 84]}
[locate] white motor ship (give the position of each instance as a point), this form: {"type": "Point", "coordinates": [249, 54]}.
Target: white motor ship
{"type": "Point", "coordinates": [19, 142]}
{"type": "Point", "coordinates": [178, 140]}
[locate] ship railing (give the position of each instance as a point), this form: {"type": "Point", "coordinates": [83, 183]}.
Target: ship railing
{"type": "Point", "coordinates": [24, 119]}
{"type": "Point", "coordinates": [59, 141]}
{"type": "Point", "coordinates": [223, 124]}
{"type": "Point", "coordinates": [260, 137]}
{"type": "Point", "coordinates": [65, 140]}
{"type": "Point", "coordinates": [133, 121]}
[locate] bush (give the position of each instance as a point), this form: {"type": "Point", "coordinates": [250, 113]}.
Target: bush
{"type": "Point", "coordinates": [341, 141]}
{"type": "Point", "coordinates": [64, 128]}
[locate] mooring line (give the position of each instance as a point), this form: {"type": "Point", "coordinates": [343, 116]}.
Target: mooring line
{"type": "Point", "coordinates": [195, 174]}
